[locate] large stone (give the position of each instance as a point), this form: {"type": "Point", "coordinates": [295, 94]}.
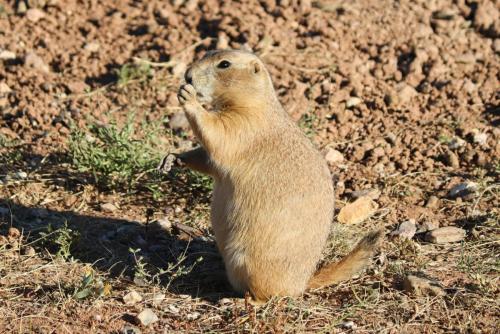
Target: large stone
{"type": "Point", "coordinates": [108, 207]}
{"type": "Point", "coordinates": [147, 317]}
{"type": "Point", "coordinates": [445, 235]}
{"type": "Point", "coordinates": [357, 211]}
{"type": "Point", "coordinates": [406, 230]}
{"type": "Point", "coordinates": [34, 14]}
{"type": "Point", "coordinates": [132, 298]}
{"type": "Point", "coordinates": [34, 61]}
{"type": "Point", "coordinates": [352, 102]}
{"type": "Point", "coordinates": [7, 55]}
{"type": "Point", "coordinates": [406, 93]}
{"type": "Point", "coordinates": [333, 156]}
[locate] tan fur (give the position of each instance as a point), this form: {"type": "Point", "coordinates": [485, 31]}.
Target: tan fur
{"type": "Point", "coordinates": [273, 195]}
{"type": "Point", "coordinates": [356, 260]}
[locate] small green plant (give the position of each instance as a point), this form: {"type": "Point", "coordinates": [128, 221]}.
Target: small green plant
{"type": "Point", "coordinates": [133, 72]}
{"type": "Point", "coordinates": [444, 139]}
{"type": "Point", "coordinates": [117, 157]}
{"type": "Point", "coordinates": [200, 181]}
{"type": "Point", "coordinates": [91, 286]}
{"type": "Point", "coordinates": [154, 275]}
{"type": "Point", "coordinates": [59, 241]}
{"type": "Point", "coordinates": [308, 122]}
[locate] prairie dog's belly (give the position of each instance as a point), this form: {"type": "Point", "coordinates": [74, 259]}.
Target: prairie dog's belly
{"type": "Point", "coordinates": [255, 224]}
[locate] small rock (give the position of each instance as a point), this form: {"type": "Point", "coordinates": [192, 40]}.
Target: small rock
{"type": "Point", "coordinates": [7, 55]}
{"type": "Point", "coordinates": [479, 137]}
{"type": "Point", "coordinates": [444, 14]}
{"type": "Point", "coordinates": [108, 207]}
{"type": "Point", "coordinates": [28, 251]}
{"type": "Point", "coordinates": [462, 189]}
{"type": "Point", "coordinates": [349, 325]}
{"type": "Point", "coordinates": [13, 233]}
{"type": "Point", "coordinates": [446, 234]}
{"type": "Point", "coordinates": [3, 240]}
{"type": "Point", "coordinates": [21, 175]}
{"type": "Point", "coordinates": [225, 301]}
{"type": "Point", "coordinates": [469, 86]}
{"type": "Point", "coordinates": [467, 58]}
{"type": "Point", "coordinates": [4, 89]}
{"type": "Point", "coordinates": [352, 102]}
{"type": "Point", "coordinates": [158, 298]}
{"type": "Point", "coordinates": [34, 61]}
{"type": "Point", "coordinates": [371, 193]}
{"type": "Point", "coordinates": [21, 7]}
{"type": "Point", "coordinates": [456, 142]}
{"type": "Point", "coordinates": [333, 156]}
{"type": "Point", "coordinates": [377, 152]}
{"type": "Point", "coordinates": [76, 87]}
{"type": "Point", "coordinates": [92, 47]}
{"type": "Point", "coordinates": [173, 309]}
{"type": "Point", "coordinates": [193, 316]}
{"type": "Point", "coordinates": [406, 229]}
{"type": "Point", "coordinates": [432, 202]}
{"type": "Point", "coordinates": [406, 93]}
{"type": "Point", "coordinates": [452, 159]}
{"type": "Point", "coordinates": [178, 121]}
{"type": "Point", "coordinates": [428, 225]}
{"type": "Point", "coordinates": [422, 287]}
{"type": "Point", "coordinates": [147, 317]}
{"type": "Point", "coordinates": [184, 145]}
{"type": "Point", "coordinates": [164, 224]}
{"type": "Point", "coordinates": [34, 14]}
{"type": "Point", "coordinates": [357, 211]}
{"type": "Point", "coordinates": [132, 298]}
{"type": "Point", "coordinates": [496, 45]}
{"type": "Point", "coordinates": [128, 329]}
{"type": "Point", "coordinates": [139, 281]}
{"type": "Point", "coordinates": [391, 138]}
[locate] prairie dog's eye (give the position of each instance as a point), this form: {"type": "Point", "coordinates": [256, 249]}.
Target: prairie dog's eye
{"type": "Point", "coordinates": [224, 64]}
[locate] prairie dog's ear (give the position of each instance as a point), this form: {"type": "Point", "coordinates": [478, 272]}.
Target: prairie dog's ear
{"type": "Point", "coordinates": [256, 67]}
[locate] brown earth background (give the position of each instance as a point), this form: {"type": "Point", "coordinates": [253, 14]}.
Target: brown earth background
{"type": "Point", "coordinates": [402, 97]}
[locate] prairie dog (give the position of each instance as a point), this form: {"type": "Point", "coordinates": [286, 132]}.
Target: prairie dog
{"type": "Point", "coordinates": [273, 196]}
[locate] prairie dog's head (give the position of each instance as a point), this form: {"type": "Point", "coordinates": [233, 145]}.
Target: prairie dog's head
{"type": "Point", "coordinates": [229, 77]}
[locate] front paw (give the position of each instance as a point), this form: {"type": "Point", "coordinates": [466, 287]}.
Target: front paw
{"type": "Point", "coordinates": [167, 163]}
{"type": "Point", "coordinates": [187, 95]}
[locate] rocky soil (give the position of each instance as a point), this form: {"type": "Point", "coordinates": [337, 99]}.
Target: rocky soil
{"type": "Point", "coordinates": [402, 97]}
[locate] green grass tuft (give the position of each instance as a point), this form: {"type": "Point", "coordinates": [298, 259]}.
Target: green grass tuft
{"type": "Point", "coordinates": [117, 157]}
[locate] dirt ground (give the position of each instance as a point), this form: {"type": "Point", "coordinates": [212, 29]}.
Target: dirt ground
{"type": "Point", "coordinates": [402, 97]}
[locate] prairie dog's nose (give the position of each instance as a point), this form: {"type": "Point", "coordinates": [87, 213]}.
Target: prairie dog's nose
{"type": "Point", "coordinates": [188, 76]}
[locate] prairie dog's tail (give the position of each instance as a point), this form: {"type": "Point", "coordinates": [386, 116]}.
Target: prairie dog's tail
{"type": "Point", "coordinates": [356, 260]}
